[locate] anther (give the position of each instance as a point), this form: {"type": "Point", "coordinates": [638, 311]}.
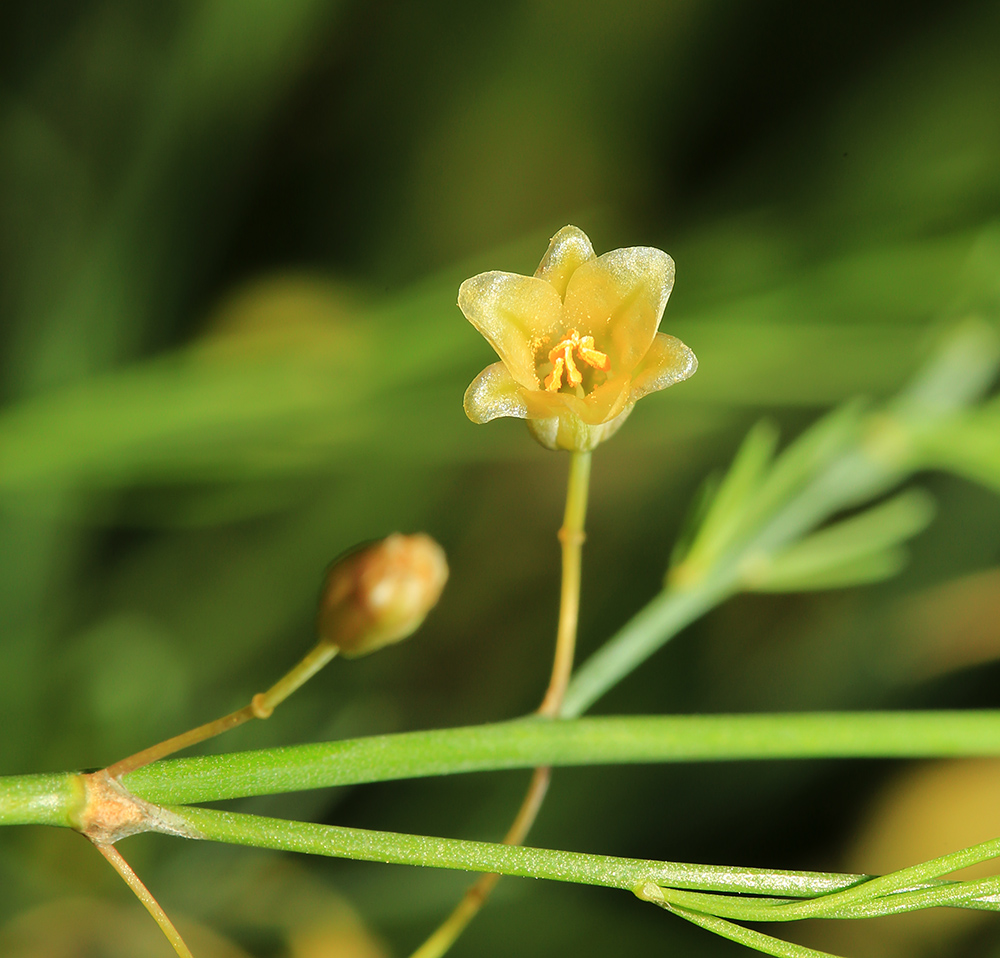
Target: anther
{"type": "Point", "coordinates": [554, 379]}
{"type": "Point", "coordinates": [561, 357]}
{"type": "Point", "coordinates": [573, 374]}
{"type": "Point", "coordinates": [591, 356]}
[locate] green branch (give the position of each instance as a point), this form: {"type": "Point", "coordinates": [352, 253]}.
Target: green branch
{"type": "Point", "coordinates": [335, 841]}
{"type": "Point", "coordinates": [39, 799]}
{"type": "Point", "coordinates": [826, 895]}
{"type": "Point", "coordinates": [527, 743]}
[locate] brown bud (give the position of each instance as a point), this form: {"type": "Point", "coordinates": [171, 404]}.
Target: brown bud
{"type": "Point", "coordinates": [381, 593]}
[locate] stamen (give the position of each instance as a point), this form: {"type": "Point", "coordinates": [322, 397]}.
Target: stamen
{"type": "Point", "coordinates": [561, 356]}
{"type": "Point", "coordinates": [553, 382]}
{"type": "Point", "coordinates": [573, 374]}
{"type": "Point", "coordinates": [593, 357]}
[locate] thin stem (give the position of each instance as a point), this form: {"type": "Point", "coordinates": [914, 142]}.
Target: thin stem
{"type": "Point", "coordinates": [265, 702]}
{"type": "Point", "coordinates": [571, 536]}
{"type": "Point", "coordinates": [903, 880]}
{"type": "Point", "coordinates": [981, 894]}
{"type": "Point", "coordinates": [192, 737]}
{"type": "Point", "coordinates": [747, 936]}
{"type": "Point", "coordinates": [337, 841]}
{"type": "Point", "coordinates": [656, 881]}
{"type": "Point", "coordinates": [474, 899]}
{"type": "Point", "coordinates": [532, 742]}
{"type": "Point", "coordinates": [261, 706]}
{"type": "Point", "coordinates": [145, 896]}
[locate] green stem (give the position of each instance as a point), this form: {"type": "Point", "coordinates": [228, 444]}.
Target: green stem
{"type": "Point", "coordinates": [747, 936]}
{"type": "Point", "coordinates": [40, 799]}
{"type": "Point", "coordinates": [828, 895]}
{"type": "Point", "coordinates": [904, 879]}
{"type": "Point", "coordinates": [572, 537]}
{"type": "Point", "coordinates": [528, 743]}
{"type": "Point", "coordinates": [390, 847]}
{"type": "Point", "coordinates": [981, 895]}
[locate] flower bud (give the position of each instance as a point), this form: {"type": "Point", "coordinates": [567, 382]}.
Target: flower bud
{"type": "Point", "coordinates": [381, 593]}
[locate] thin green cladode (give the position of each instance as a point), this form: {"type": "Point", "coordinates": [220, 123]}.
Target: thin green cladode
{"type": "Point", "coordinates": [527, 743]}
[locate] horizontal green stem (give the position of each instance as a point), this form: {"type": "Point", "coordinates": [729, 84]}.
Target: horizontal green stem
{"type": "Point", "coordinates": [393, 848]}
{"type": "Point", "coordinates": [40, 799]}
{"type": "Point", "coordinates": [527, 743]}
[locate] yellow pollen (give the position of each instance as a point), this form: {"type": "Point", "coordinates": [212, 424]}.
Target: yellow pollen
{"type": "Point", "coordinates": [561, 356]}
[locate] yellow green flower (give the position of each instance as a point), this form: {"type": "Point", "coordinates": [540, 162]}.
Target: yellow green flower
{"type": "Point", "coordinates": [578, 341]}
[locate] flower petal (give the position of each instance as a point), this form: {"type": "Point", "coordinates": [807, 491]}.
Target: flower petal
{"type": "Point", "coordinates": [618, 298]}
{"type": "Point", "coordinates": [513, 312]}
{"type": "Point", "coordinates": [568, 250]}
{"type": "Point", "coordinates": [601, 404]}
{"type": "Point", "coordinates": [668, 361]}
{"type": "Point", "coordinates": [494, 393]}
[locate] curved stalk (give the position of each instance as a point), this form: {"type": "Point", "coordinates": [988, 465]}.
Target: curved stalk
{"type": "Point", "coordinates": [571, 537]}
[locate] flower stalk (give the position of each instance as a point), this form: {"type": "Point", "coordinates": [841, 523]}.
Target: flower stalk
{"type": "Point", "coordinates": [571, 537]}
{"type": "Point", "coordinates": [374, 596]}
{"type": "Point", "coordinates": [578, 347]}
{"type": "Point", "coordinates": [261, 706]}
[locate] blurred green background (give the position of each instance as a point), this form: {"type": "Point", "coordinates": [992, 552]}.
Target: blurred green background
{"type": "Point", "coordinates": [231, 236]}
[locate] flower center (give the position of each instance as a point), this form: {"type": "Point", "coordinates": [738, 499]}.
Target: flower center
{"type": "Point", "coordinates": [564, 364]}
